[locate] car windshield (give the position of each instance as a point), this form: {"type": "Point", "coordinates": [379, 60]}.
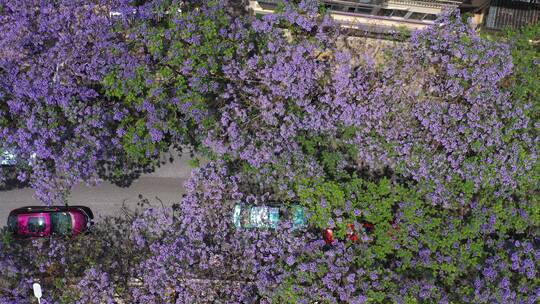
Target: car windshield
{"type": "Point", "coordinates": [299, 217]}
{"type": "Point", "coordinates": [13, 225]}
{"type": "Point", "coordinates": [36, 224]}
{"type": "Point", "coordinates": [256, 216]}
{"type": "Point", "coordinates": [237, 216]}
{"type": "Point", "coordinates": [61, 222]}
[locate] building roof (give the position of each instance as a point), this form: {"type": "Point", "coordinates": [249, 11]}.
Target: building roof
{"type": "Point", "coordinates": [512, 13]}
{"type": "Point", "coordinates": [427, 3]}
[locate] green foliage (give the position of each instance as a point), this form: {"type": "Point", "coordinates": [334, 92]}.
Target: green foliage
{"type": "Point", "coordinates": [7, 237]}
{"type": "Point", "coordinates": [194, 162]}
{"type": "Point", "coordinates": [330, 152]}
{"type": "Point", "coordinates": [169, 95]}
{"type": "Point", "coordinates": [286, 294]}
{"type": "Point", "coordinates": [524, 83]}
{"type": "Point", "coordinates": [525, 44]}
{"type": "Point", "coordinates": [374, 201]}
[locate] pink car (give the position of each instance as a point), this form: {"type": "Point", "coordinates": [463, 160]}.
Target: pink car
{"type": "Point", "coordinates": [41, 221]}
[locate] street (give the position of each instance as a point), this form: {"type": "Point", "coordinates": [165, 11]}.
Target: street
{"type": "Point", "coordinates": [166, 183]}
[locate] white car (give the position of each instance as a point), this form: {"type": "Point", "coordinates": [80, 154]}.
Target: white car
{"type": "Point", "coordinates": [9, 163]}
{"type": "Point", "coordinates": [268, 216]}
{"type": "Point", "coordinates": [7, 158]}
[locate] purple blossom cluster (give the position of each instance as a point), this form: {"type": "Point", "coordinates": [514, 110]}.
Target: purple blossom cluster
{"type": "Point", "coordinates": [54, 55]}
{"type": "Point", "coordinates": [437, 114]}
{"type": "Point", "coordinates": [208, 258]}
{"type": "Point", "coordinates": [465, 125]}
{"type": "Point", "coordinates": [292, 108]}
{"type": "Point", "coordinates": [96, 287]}
{"type": "Point", "coordinates": [97, 90]}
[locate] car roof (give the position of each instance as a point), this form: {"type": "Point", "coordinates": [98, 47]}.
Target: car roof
{"type": "Point", "coordinates": [268, 204]}
{"type": "Point", "coordinates": [41, 209]}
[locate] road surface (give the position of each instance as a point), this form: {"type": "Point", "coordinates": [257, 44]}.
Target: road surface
{"type": "Point", "coordinates": [167, 183]}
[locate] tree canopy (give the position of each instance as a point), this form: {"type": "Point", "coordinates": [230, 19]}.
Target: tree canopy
{"type": "Point", "coordinates": [436, 145]}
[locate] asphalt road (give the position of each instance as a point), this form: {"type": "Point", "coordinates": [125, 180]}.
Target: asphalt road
{"type": "Point", "coordinates": [167, 183]}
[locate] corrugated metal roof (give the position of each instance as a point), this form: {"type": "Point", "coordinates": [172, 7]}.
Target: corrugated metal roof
{"type": "Point", "coordinates": [514, 14]}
